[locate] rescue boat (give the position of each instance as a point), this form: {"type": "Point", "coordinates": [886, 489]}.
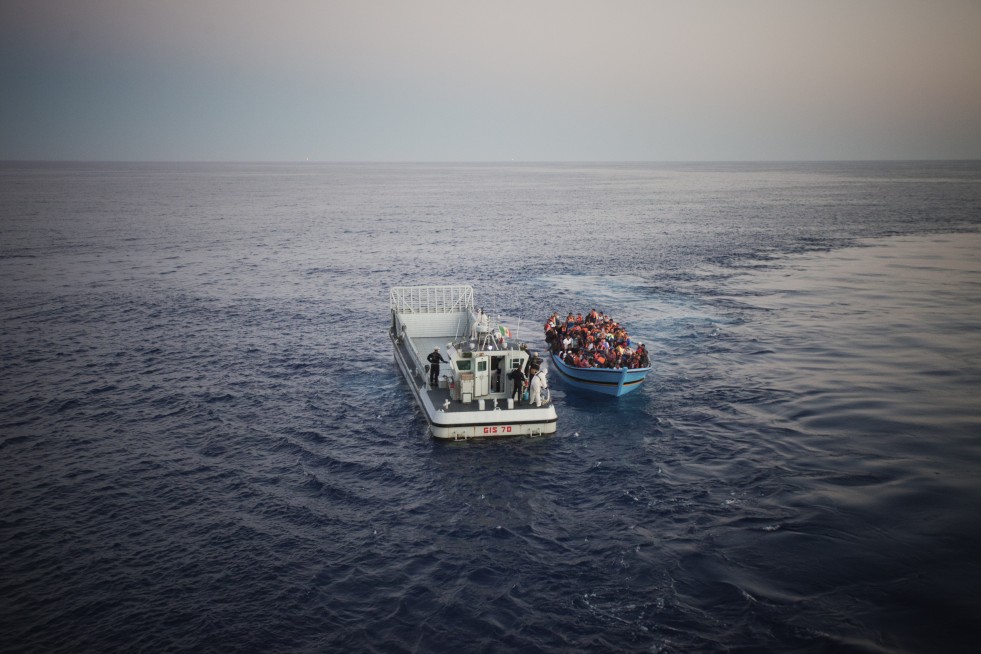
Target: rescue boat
{"type": "Point", "coordinates": [474, 394]}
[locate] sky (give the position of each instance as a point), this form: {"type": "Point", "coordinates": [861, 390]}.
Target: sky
{"type": "Point", "coordinates": [492, 80]}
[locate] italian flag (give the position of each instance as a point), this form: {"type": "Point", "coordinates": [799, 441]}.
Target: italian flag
{"type": "Point", "coordinates": [505, 332]}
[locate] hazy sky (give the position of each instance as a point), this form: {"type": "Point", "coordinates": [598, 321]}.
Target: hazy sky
{"type": "Point", "coordinates": [462, 80]}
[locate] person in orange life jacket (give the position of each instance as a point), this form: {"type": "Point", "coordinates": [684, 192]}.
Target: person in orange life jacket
{"type": "Point", "coordinates": [434, 359]}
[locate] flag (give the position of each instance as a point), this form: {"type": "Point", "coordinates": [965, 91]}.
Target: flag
{"type": "Point", "coordinates": [505, 332]}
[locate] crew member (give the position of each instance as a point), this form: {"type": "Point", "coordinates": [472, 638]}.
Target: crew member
{"type": "Point", "coordinates": [434, 359]}
{"type": "Point", "coordinates": [538, 384]}
{"type": "Point", "coordinates": [518, 378]}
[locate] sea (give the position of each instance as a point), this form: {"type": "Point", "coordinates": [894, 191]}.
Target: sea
{"type": "Point", "coordinates": [206, 445]}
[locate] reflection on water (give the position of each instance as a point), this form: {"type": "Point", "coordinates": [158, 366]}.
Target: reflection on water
{"type": "Point", "coordinates": [878, 335]}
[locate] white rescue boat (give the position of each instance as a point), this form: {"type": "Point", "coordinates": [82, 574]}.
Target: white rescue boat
{"type": "Point", "coordinates": [473, 396]}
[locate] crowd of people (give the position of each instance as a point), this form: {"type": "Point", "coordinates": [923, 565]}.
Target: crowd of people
{"type": "Point", "coordinates": [593, 341]}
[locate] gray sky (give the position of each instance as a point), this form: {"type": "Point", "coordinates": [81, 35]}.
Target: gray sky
{"type": "Point", "coordinates": [460, 80]}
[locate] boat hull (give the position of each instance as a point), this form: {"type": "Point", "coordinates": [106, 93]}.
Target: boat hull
{"type": "Point", "coordinates": [615, 382]}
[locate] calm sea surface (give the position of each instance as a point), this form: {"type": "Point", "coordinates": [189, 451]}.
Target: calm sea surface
{"type": "Point", "coordinates": [205, 444]}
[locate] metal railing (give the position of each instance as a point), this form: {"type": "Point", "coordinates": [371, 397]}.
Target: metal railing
{"type": "Point", "coordinates": [431, 299]}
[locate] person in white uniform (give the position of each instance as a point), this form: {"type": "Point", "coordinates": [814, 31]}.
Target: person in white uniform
{"type": "Point", "coordinates": [475, 323]}
{"type": "Point", "coordinates": [539, 383]}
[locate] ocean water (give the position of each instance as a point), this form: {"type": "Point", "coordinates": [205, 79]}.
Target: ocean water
{"type": "Point", "coordinates": [206, 445]}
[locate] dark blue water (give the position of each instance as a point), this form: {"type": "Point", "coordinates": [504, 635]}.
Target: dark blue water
{"type": "Point", "coordinates": [206, 446]}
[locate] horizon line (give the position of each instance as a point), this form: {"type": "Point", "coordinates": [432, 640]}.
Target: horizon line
{"type": "Point", "coordinates": [478, 161]}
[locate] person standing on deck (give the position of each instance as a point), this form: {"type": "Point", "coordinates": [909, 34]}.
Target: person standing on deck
{"type": "Point", "coordinates": [475, 322]}
{"type": "Point", "coordinates": [538, 383]}
{"type": "Point", "coordinates": [518, 378]}
{"type": "Point", "coordinates": [434, 359]}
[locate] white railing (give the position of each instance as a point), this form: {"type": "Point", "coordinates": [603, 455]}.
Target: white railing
{"type": "Point", "coordinates": [432, 299]}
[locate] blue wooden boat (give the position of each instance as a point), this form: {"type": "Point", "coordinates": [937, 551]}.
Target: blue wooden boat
{"type": "Point", "coordinates": [609, 381]}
